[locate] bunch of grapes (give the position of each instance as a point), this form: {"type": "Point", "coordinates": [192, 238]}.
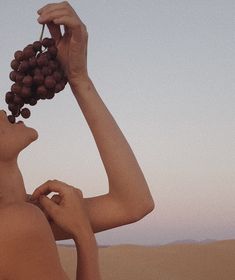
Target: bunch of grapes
{"type": "Point", "coordinates": [37, 74]}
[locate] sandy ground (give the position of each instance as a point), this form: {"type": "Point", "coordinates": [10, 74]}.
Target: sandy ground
{"type": "Point", "coordinates": [213, 261]}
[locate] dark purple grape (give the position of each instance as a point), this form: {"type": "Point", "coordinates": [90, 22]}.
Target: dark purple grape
{"type": "Point", "coordinates": [38, 79]}
{"type": "Point", "coordinates": [14, 108]}
{"type": "Point", "coordinates": [48, 42]}
{"type": "Point", "coordinates": [37, 45]}
{"type": "Point", "coordinates": [48, 55]}
{"type": "Point", "coordinates": [27, 80]}
{"type": "Point", "coordinates": [50, 82]}
{"type": "Point", "coordinates": [17, 112]}
{"type": "Point", "coordinates": [19, 56]}
{"type": "Point", "coordinates": [28, 52]}
{"type": "Point", "coordinates": [26, 100]}
{"type": "Point", "coordinates": [18, 100]}
{"type": "Point", "coordinates": [15, 64]}
{"type": "Point", "coordinates": [42, 91]}
{"type": "Point", "coordinates": [24, 66]}
{"type": "Point", "coordinates": [53, 64]}
{"type": "Point", "coordinates": [11, 106]}
{"type": "Point", "coordinates": [32, 101]}
{"type": "Point", "coordinates": [19, 77]}
{"type": "Point", "coordinates": [42, 60]}
{"type": "Point", "coordinates": [64, 82]}
{"type": "Point", "coordinates": [11, 119]}
{"type": "Point", "coordinates": [37, 71]}
{"type": "Point", "coordinates": [12, 75]}
{"type": "Point", "coordinates": [9, 97]}
{"type": "Point", "coordinates": [53, 51]}
{"type": "Point", "coordinates": [16, 88]}
{"type": "Point", "coordinates": [50, 95]}
{"type": "Point", "coordinates": [32, 62]}
{"type": "Point", "coordinates": [57, 76]}
{"type": "Point", "coordinates": [25, 113]}
{"type": "Point", "coordinates": [46, 71]}
{"type": "Point", "coordinates": [25, 92]}
{"type": "Point", "coordinates": [58, 87]}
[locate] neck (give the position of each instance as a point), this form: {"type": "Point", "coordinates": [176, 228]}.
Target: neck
{"type": "Point", "coordinates": [12, 188]}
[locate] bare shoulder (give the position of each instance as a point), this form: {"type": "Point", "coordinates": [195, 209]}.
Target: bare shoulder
{"type": "Point", "coordinates": [23, 216]}
{"type": "Point", "coordinates": [27, 244]}
{"type": "Point", "coordinates": [24, 221]}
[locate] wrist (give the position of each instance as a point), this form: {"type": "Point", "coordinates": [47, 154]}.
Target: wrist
{"type": "Point", "coordinates": [80, 84]}
{"type": "Point", "coordinates": [83, 234]}
{"type": "Point", "coordinates": [85, 240]}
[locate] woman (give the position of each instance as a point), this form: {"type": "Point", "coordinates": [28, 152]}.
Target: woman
{"type": "Point", "coordinates": [128, 199]}
{"type": "Point", "coordinates": [28, 249]}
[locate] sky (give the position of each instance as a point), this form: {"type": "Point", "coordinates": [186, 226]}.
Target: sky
{"type": "Point", "coordinates": [165, 69]}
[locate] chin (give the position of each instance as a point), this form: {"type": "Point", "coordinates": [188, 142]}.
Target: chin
{"type": "Point", "coordinates": [33, 134]}
{"type": "Point", "coordinates": [30, 134]}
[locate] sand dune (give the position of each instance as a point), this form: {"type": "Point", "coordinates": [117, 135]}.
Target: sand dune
{"type": "Point", "coordinates": [213, 261]}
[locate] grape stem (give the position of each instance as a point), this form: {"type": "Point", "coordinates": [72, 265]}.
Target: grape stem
{"type": "Point", "coordinates": [43, 27]}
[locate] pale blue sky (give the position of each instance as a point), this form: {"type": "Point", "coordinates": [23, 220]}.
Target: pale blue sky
{"type": "Point", "coordinates": [166, 70]}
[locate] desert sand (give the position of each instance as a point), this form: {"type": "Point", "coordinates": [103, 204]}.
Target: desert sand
{"type": "Point", "coordinates": [212, 261]}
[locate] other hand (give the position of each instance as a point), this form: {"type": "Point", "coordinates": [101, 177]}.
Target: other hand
{"type": "Point", "coordinates": [67, 209]}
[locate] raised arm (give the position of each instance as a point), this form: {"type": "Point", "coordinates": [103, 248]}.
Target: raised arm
{"type": "Point", "coordinates": [128, 198]}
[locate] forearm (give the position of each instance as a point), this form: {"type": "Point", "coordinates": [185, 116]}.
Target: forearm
{"type": "Point", "coordinates": [87, 258]}
{"type": "Point", "coordinates": [126, 180]}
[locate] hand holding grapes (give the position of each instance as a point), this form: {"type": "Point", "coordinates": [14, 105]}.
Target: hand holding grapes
{"type": "Point", "coordinates": [72, 45]}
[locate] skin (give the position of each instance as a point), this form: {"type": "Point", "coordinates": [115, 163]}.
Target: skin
{"type": "Point", "coordinates": [128, 199]}
{"type": "Point", "coordinates": [28, 248]}
{"type": "Point", "coordinates": [13, 139]}
{"type": "Point", "coordinates": [71, 215]}
{"type": "Point", "coordinates": [25, 234]}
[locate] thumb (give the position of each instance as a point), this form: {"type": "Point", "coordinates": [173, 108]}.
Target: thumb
{"type": "Point", "coordinates": [48, 205]}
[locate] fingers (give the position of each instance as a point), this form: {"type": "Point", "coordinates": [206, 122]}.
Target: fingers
{"type": "Point", "coordinates": [52, 15]}
{"type": "Point", "coordinates": [55, 31]}
{"type": "Point", "coordinates": [56, 198]}
{"type": "Point", "coordinates": [60, 13]}
{"type": "Point", "coordinates": [50, 206]}
{"type": "Point", "coordinates": [52, 6]}
{"type": "Point", "coordinates": [48, 187]}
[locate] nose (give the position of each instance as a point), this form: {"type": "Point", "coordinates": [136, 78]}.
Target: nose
{"type": "Point", "coordinates": [3, 113]}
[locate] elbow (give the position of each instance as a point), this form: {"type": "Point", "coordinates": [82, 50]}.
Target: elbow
{"type": "Point", "coordinates": [141, 210]}
{"type": "Point", "coordinates": [148, 207]}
